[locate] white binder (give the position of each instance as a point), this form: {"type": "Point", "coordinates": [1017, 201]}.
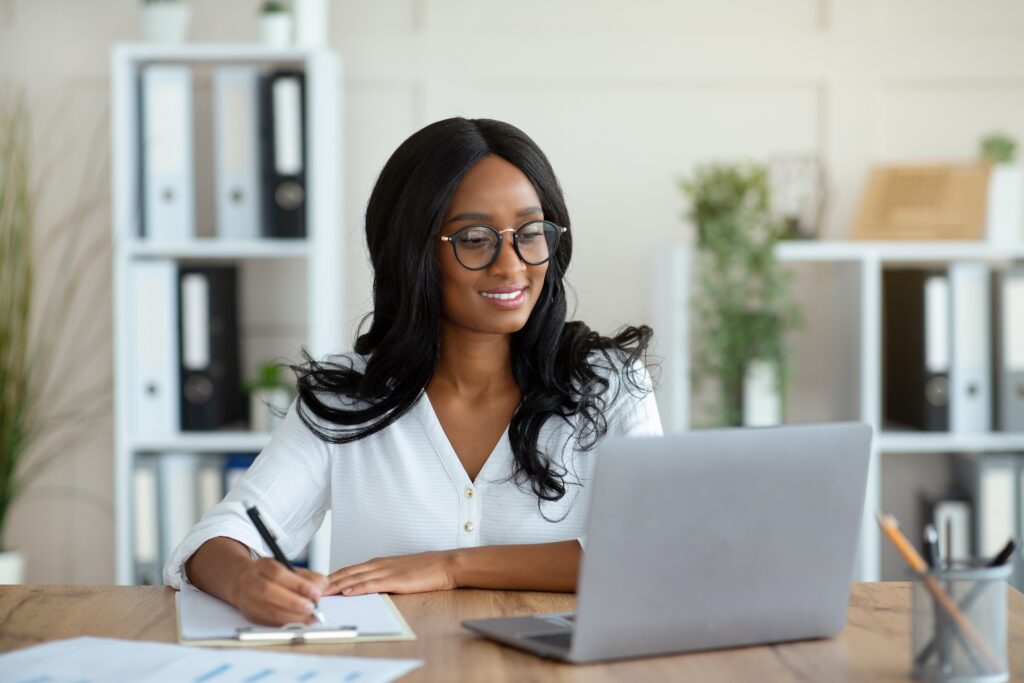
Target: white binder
{"type": "Point", "coordinates": [991, 481]}
{"type": "Point", "coordinates": [145, 521]}
{"type": "Point", "coordinates": [236, 151]}
{"type": "Point", "coordinates": [155, 384]}
{"type": "Point", "coordinates": [167, 154]}
{"type": "Point", "coordinates": [179, 503]}
{"type": "Point", "coordinates": [1009, 350]}
{"type": "Point", "coordinates": [970, 373]}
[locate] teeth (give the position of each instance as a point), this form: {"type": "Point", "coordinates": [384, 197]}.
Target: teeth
{"type": "Point", "coordinates": [503, 297]}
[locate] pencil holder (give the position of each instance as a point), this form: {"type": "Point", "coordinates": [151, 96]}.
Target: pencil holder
{"type": "Point", "coordinates": [958, 625]}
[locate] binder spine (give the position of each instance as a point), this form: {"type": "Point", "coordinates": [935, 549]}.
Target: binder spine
{"type": "Point", "coordinates": [283, 154]}
{"type": "Point", "coordinates": [236, 148]}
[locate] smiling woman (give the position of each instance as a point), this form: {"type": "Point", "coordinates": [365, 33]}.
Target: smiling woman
{"type": "Point", "coordinates": [454, 447]}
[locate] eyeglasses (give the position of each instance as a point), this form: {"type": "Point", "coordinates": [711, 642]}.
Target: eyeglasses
{"type": "Point", "coordinates": [477, 246]}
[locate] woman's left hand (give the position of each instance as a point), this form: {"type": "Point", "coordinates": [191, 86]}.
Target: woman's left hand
{"type": "Point", "coordinates": [419, 573]}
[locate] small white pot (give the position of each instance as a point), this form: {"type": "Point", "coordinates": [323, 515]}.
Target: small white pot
{"type": "Point", "coordinates": [1004, 219]}
{"type": "Point", "coordinates": [276, 29]}
{"type": "Point", "coordinates": [12, 567]}
{"type": "Point", "coordinates": [261, 401]}
{"type": "Point", "coordinates": [762, 404]}
{"type": "Point", "coordinates": [311, 21]}
{"type": "Point", "coordinates": [165, 22]}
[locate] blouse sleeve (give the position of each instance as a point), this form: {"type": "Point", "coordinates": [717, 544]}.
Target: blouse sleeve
{"type": "Point", "coordinates": [289, 482]}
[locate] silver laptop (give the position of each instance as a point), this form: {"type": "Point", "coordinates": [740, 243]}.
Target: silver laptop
{"type": "Point", "coordinates": [710, 539]}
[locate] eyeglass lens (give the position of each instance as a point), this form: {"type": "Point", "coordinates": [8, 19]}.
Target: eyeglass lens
{"type": "Point", "coordinates": [477, 246]}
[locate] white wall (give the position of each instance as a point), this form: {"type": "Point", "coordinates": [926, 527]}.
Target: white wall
{"type": "Point", "coordinates": [624, 98]}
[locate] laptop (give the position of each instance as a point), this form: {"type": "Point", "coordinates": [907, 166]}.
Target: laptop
{"type": "Point", "coordinates": [710, 539]}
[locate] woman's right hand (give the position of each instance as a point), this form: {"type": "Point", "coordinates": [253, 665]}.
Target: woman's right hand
{"type": "Point", "coordinates": [268, 593]}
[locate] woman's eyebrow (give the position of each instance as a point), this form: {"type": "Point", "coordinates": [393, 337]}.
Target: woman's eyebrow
{"type": "Point", "coordinates": [476, 216]}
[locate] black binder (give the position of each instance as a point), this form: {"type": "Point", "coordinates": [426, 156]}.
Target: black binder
{"type": "Point", "coordinates": [211, 386]}
{"type": "Point", "coordinates": [283, 153]}
{"type": "Point", "coordinates": [916, 339]}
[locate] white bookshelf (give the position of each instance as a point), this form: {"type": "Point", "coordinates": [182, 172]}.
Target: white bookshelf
{"type": "Point", "coordinates": [861, 264]}
{"type": "Point", "coordinates": [319, 254]}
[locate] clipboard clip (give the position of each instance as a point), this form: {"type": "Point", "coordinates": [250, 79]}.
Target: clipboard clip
{"type": "Point", "coordinates": [296, 634]}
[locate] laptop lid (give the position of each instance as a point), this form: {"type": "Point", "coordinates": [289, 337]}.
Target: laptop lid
{"type": "Point", "coordinates": [720, 538]}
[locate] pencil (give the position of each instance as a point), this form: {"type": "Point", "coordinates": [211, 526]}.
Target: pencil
{"type": "Point", "coordinates": [892, 531]}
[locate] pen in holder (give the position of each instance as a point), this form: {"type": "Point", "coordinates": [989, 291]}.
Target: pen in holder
{"type": "Point", "coordinates": [959, 624]}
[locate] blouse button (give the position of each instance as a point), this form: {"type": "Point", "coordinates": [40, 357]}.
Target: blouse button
{"type": "Point", "coordinates": [469, 493]}
{"type": "Point", "coordinates": [468, 526]}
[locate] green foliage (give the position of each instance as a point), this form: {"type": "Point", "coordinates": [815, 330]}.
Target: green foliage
{"type": "Point", "coordinates": [272, 7]}
{"type": "Point", "coordinates": [744, 305]}
{"type": "Point", "coordinates": [16, 279]}
{"type": "Point", "coordinates": [44, 409]}
{"type": "Point", "coordinates": [998, 148]}
{"type": "Point", "coordinates": [270, 376]}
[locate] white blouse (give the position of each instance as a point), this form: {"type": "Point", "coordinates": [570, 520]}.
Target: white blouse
{"type": "Point", "coordinates": [404, 490]}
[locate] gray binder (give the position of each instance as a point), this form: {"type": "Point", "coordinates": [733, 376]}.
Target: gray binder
{"type": "Point", "coordinates": [1008, 348]}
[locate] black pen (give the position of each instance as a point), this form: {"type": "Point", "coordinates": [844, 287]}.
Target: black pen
{"type": "Point", "coordinates": [1004, 554]}
{"type": "Point", "coordinates": [269, 539]}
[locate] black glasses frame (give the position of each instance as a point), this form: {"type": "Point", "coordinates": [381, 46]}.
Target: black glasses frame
{"type": "Point", "coordinates": [451, 239]}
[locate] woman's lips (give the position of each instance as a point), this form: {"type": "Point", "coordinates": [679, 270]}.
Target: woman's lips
{"type": "Point", "coordinates": [506, 297]}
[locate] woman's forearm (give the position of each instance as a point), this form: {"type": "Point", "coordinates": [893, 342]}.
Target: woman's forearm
{"type": "Point", "coordinates": [539, 567]}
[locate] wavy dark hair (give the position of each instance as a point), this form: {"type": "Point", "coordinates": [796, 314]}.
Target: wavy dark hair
{"type": "Point", "coordinates": [563, 369]}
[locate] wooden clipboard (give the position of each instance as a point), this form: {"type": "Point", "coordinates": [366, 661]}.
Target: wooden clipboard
{"type": "Point", "coordinates": [297, 634]}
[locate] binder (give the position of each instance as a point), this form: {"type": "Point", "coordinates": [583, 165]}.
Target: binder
{"type": "Point", "coordinates": [1008, 349]}
{"type": "Point", "coordinates": [153, 370]}
{"type": "Point", "coordinates": [992, 481]}
{"type": "Point", "coordinates": [970, 373]}
{"type": "Point", "coordinates": [916, 348]}
{"type": "Point", "coordinates": [209, 482]}
{"type": "Point", "coordinates": [168, 192]}
{"type": "Point", "coordinates": [236, 131]}
{"type": "Point", "coordinates": [283, 157]}
{"type": "Point", "coordinates": [145, 522]}
{"type": "Point", "coordinates": [178, 504]}
{"type": "Point", "coordinates": [205, 620]}
{"type": "Point", "coordinates": [211, 387]}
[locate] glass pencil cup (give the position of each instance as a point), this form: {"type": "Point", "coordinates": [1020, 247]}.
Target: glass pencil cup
{"type": "Point", "coordinates": [958, 624]}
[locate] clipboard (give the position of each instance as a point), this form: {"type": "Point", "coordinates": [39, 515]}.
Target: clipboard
{"type": "Point", "coordinates": [234, 630]}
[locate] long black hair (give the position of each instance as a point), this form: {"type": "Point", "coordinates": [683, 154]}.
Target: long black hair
{"type": "Point", "coordinates": [563, 369]}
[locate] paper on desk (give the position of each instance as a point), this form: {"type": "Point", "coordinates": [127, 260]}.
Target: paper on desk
{"type": "Point", "coordinates": [204, 617]}
{"type": "Point", "coordinates": [99, 660]}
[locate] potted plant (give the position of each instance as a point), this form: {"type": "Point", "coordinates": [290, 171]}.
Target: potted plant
{"type": "Point", "coordinates": [269, 397]}
{"type": "Point", "coordinates": [275, 24]}
{"type": "Point", "coordinates": [40, 419]}
{"type": "Point", "coordinates": [165, 21]}
{"type": "Point", "coordinates": [744, 308]}
{"type": "Point", "coordinates": [1004, 220]}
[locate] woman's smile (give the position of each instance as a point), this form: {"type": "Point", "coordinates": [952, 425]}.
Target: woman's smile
{"type": "Point", "coordinates": [506, 297]}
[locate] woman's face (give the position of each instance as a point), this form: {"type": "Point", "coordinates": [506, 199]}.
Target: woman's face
{"type": "Point", "coordinates": [497, 194]}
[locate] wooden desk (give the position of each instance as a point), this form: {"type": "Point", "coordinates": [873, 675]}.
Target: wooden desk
{"type": "Point", "coordinates": [874, 646]}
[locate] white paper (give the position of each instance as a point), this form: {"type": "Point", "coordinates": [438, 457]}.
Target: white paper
{"type": "Point", "coordinates": [204, 617]}
{"type": "Point", "coordinates": [99, 660]}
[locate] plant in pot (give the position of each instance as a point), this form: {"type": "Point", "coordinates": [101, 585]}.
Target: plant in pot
{"type": "Point", "coordinates": [275, 24]}
{"type": "Point", "coordinates": [743, 307]}
{"type": "Point", "coordinates": [1004, 219]}
{"type": "Point", "coordinates": [165, 21]}
{"type": "Point", "coordinates": [47, 403]}
{"type": "Point", "coordinates": [269, 397]}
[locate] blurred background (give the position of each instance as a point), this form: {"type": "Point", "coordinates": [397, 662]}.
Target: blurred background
{"type": "Point", "coordinates": [715, 159]}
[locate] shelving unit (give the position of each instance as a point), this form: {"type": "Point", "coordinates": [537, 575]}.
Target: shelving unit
{"type": "Point", "coordinates": [319, 253]}
{"type": "Point", "coordinates": [861, 264]}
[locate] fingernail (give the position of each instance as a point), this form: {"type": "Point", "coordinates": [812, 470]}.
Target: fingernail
{"type": "Point", "coordinates": [310, 607]}
{"type": "Point", "coordinates": [346, 591]}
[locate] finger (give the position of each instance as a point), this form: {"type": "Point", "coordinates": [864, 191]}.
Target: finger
{"type": "Point", "coordinates": [317, 580]}
{"type": "Point", "coordinates": [274, 571]}
{"type": "Point", "coordinates": [354, 569]}
{"type": "Point", "coordinates": [341, 585]}
{"type": "Point", "coordinates": [280, 595]}
{"type": "Point", "coordinates": [271, 616]}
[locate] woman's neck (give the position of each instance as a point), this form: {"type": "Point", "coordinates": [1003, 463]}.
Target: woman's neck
{"type": "Point", "coordinates": [473, 363]}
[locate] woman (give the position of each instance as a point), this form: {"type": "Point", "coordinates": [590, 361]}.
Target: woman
{"type": "Point", "coordinates": [454, 447]}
